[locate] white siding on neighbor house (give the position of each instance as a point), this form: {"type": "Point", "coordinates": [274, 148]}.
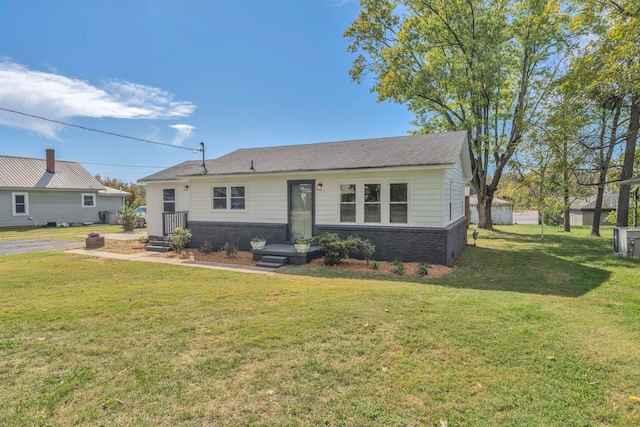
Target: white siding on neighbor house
{"type": "Point", "coordinates": [266, 196]}
{"type": "Point", "coordinates": [155, 205]}
{"type": "Point", "coordinates": [55, 206]}
{"type": "Point", "coordinates": [454, 191]}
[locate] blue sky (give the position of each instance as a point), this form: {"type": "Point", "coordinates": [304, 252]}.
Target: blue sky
{"type": "Point", "coordinates": [232, 74]}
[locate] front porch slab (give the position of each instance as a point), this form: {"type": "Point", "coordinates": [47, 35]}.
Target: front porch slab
{"type": "Point", "coordinates": [289, 251]}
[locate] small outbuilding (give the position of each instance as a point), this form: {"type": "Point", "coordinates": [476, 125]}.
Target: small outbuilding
{"type": "Point", "coordinates": [501, 211]}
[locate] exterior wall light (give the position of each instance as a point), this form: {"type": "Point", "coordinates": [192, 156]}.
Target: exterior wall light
{"type": "Point", "coordinates": [319, 187]}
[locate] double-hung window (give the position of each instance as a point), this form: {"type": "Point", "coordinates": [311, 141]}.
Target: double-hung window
{"type": "Point", "coordinates": [20, 202]}
{"type": "Point", "coordinates": [347, 203]}
{"type": "Point", "coordinates": [169, 200]}
{"type": "Point", "coordinates": [229, 197]}
{"type": "Point", "coordinates": [398, 203]}
{"type": "Point", "coordinates": [372, 203]}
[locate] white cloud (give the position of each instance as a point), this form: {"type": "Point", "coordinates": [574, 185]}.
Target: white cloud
{"type": "Point", "coordinates": [182, 132]}
{"type": "Point", "coordinates": [57, 97]}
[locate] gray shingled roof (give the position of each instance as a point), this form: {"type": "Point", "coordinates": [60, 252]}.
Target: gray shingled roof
{"type": "Point", "coordinates": [412, 150]}
{"type": "Point", "coordinates": [24, 172]}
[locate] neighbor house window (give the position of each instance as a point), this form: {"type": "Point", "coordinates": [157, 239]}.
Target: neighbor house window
{"type": "Point", "coordinates": [169, 200]}
{"type": "Point", "coordinates": [232, 197]}
{"type": "Point", "coordinates": [372, 200]}
{"type": "Point", "coordinates": [347, 203]}
{"type": "Point", "coordinates": [20, 203]}
{"type": "Point", "coordinates": [88, 200]}
{"type": "Point", "coordinates": [398, 205]}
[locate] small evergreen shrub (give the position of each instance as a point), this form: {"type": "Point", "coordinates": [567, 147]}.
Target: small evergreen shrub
{"type": "Point", "coordinates": [230, 250]}
{"type": "Point", "coordinates": [423, 268]}
{"type": "Point", "coordinates": [398, 267]}
{"type": "Point", "coordinates": [337, 250]}
{"type": "Point", "coordinates": [206, 247]}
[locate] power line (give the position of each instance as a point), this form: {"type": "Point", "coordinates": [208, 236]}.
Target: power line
{"type": "Point", "coordinates": [99, 131]}
{"type": "Point", "coordinates": [124, 166]}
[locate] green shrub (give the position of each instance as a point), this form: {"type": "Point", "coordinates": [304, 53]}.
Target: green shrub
{"type": "Point", "coordinates": [398, 267]}
{"type": "Point", "coordinates": [128, 218]}
{"type": "Point", "coordinates": [337, 250]}
{"type": "Point", "coordinates": [180, 239]}
{"type": "Point", "coordinates": [206, 247]}
{"type": "Point", "coordinates": [423, 268]}
{"type": "Point", "coordinates": [230, 250]}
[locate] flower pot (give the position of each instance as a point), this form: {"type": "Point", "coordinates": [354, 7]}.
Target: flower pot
{"type": "Point", "coordinates": [302, 247]}
{"type": "Point", "coordinates": [94, 242]}
{"type": "Point", "coordinates": [258, 245]}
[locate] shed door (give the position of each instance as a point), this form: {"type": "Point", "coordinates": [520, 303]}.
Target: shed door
{"type": "Point", "coordinates": [301, 209]}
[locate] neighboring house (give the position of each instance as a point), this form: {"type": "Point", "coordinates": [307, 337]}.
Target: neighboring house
{"type": "Point", "coordinates": [501, 211]}
{"type": "Point", "coordinates": [405, 194]}
{"type": "Point", "coordinates": [581, 211]}
{"type": "Point", "coordinates": [37, 192]}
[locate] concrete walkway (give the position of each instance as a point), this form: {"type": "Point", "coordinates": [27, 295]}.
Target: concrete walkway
{"type": "Point", "coordinates": [152, 257]}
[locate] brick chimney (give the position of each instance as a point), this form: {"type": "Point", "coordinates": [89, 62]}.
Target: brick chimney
{"type": "Point", "coordinates": [51, 160]}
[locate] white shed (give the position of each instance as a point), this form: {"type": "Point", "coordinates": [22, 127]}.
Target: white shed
{"type": "Point", "coordinates": [501, 211]}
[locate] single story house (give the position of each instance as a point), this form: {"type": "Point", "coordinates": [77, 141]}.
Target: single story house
{"type": "Point", "coordinates": [501, 211]}
{"type": "Point", "coordinates": [405, 194]}
{"type": "Point", "coordinates": [37, 192]}
{"type": "Point", "coordinates": [581, 211]}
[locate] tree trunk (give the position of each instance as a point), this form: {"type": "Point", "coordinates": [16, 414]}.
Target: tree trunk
{"type": "Point", "coordinates": [597, 213]}
{"type": "Point", "coordinates": [565, 184]}
{"type": "Point", "coordinates": [629, 157]}
{"type": "Point", "coordinates": [484, 212]}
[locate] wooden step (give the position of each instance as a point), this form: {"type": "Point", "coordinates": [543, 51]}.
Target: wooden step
{"type": "Point", "coordinates": [273, 261]}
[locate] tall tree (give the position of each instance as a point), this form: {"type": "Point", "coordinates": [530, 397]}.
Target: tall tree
{"type": "Point", "coordinates": [612, 56]}
{"type": "Point", "coordinates": [473, 65]}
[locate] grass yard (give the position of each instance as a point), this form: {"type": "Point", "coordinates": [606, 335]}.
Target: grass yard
{"type": "Point", "coordinates": [524, 332]}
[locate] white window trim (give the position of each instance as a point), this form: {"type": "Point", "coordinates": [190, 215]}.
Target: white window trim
{"type": "Point", "coordinates": [228, 197]}
{"type": "Point", "coordinates": [385, 203]}
{"type": "Point", "coordinates": [26, 204]}
{"type": "Point", "coordinates": [88, 194]}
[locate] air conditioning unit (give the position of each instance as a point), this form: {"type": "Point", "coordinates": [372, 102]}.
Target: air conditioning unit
{"type": "Point", "coordinates": [626, 241]}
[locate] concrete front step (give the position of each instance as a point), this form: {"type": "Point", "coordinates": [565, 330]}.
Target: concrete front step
{"type": "Point", "coordinates": [272, 261]}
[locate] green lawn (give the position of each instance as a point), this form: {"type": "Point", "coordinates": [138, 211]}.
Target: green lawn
{"type": "Point", "coordinates": [524, 332]}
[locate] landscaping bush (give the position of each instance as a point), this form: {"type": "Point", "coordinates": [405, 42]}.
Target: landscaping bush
{"type": "Point", "coordinates": [230, 250]}
{"type": "Point", "coordinates": [128, 218]}
{"type": "Point", "coordinates": [337, 250]}
{"type": "Point", "coordinates": [180, 239]}
{"type": "Point", "coordinates": [206, 247]}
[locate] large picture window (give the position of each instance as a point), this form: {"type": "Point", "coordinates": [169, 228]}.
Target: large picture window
{"type": "Point", "coordinates": [372, 203]}
{"type": "Point", "coordinates": [232, 197]}
{"type": "Point", "coordinates": [398, 203]}
{"type": "Point", "coordinates": [88, 200]}
{"type": "Point", "coordinates": [169, 200]}
{"type": "Point", "coordinates": [20, 202]}
{"type": "Point", "coordinates": [347, 203]}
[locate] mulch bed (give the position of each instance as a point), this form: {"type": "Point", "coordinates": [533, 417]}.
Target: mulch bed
{"type": "Point", "coordinates": [246, 258]}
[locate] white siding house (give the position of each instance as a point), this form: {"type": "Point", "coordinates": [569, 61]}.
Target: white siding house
{"type": "Point", "coordinates": [405, 194]}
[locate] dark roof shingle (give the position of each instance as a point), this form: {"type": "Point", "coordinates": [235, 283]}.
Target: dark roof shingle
{"type": "Point", "coordinates": [411, 150]}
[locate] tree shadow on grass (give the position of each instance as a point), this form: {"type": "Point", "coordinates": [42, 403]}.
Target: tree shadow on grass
{"type": "Point", "coordinates": [525, 271]}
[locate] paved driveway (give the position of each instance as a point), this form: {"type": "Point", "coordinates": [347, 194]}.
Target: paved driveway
{"type": "Point", "coordinates": [37, 245]}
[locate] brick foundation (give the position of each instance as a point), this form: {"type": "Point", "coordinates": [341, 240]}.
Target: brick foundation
{"type": "Point", "coordinates": [410, 244]}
